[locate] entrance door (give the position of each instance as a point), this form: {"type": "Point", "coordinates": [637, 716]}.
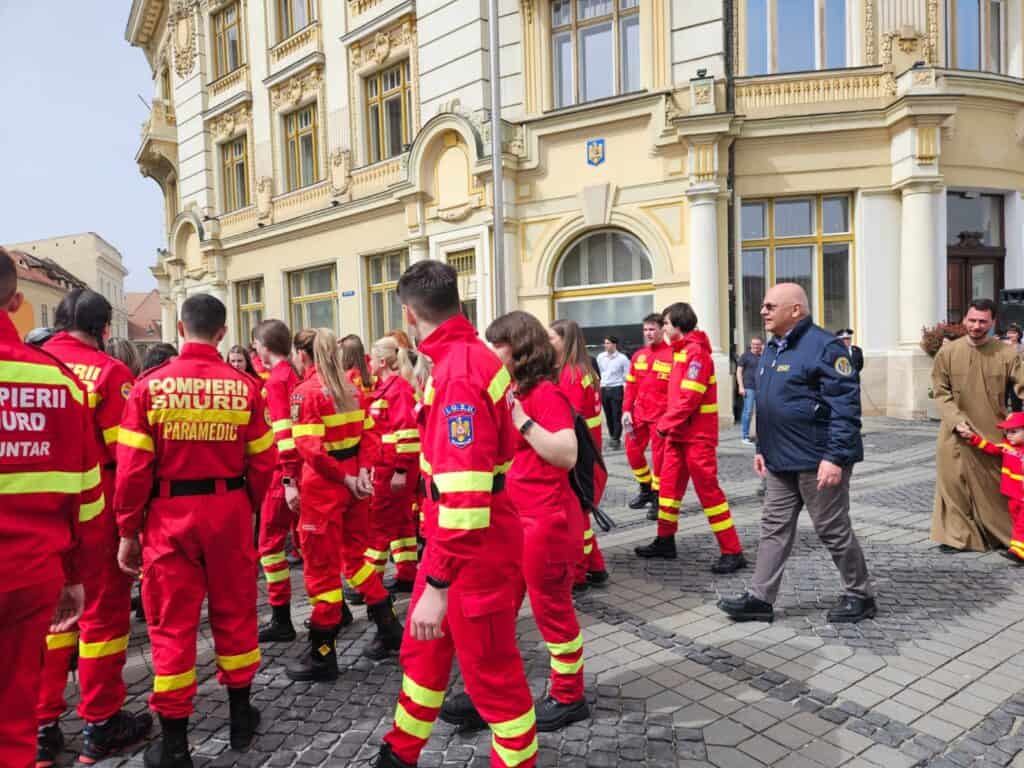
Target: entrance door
{"type": "Point", "coordinates": [975, 250]}
{"type": "Point", "coordinates": [969, 277]}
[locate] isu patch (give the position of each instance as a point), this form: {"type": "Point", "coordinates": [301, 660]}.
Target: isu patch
{"type": "Point", "coordinates": [693, 372]}
{"type": "Point", "coordinates": [126, 389]}
{"type": "Point", "coordinates": [843, 366]}
{"type": "Point", "coordinates": [460, 424]}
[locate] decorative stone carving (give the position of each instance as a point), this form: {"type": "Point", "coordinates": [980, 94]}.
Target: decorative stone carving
{"type": "Point", "coordinates": [381, 47]}
{"type": "Point", "coordinates": [526, 7]}
{"type": "Point", "coordinates": [341, 171]}
{"type": "Point", "coordinates": [517, 146]}
{"type": "Point", "coordinates": [458, 213]}
{"type": "Point", "coordinates": [927, 144]}
{"type": "Point", "coordinates": [869, 31]}
{"type": "Point", "coordinates": [225, 125]}
{"type": "Point", "coordinates": [265, 198]}
{"type": "Point", "coordinates": [820, 90]}
{"type": "Point", "coordinates": [672, 110]}
{"type": "Point", "coordinates": [702, 94]}
{"type": "Point", "coordinates": [924, 78]}
{"type": "Point", "coordinates": [931, 46]}
{"type": "Point", "coordinates": [181, 22]}
{"type": "Point", "coordinates": [294, 90]}
{"type": "Point", "coordinates": [378, 48]}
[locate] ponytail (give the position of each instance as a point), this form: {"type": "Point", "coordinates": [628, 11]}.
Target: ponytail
{"type": "Point", "coordinates": [396, 358]}
{"type": "Point", "coordinates": [325, 355]}
{"type": "Point", "coordinates": [84, 311]}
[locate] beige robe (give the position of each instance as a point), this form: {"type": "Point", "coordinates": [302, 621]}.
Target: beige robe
{"type": "Point", "coordinates": [969, 384]}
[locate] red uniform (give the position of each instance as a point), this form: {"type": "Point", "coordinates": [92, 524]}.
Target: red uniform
{"type": "Point", "coordinates": [194, 438]}
{"type": "Point", "coordinates": [645, 399]}
{"type": "Point", "coordinates": [49, 481]}
{"type": "Point", "coordinates": [552, 528]}
{"type": "Point", "coordinates": [1011, 486]}
{"type": "Point", "coordinates": [690, 428]}
{"type": "Point", "coordinates": [394, 411]}
{"type": "Point", "coordinates": [257, 365]}
{"type": "Point", "coordinates": [276, 519]}
{"type": "Point", "coordinates": [585, 398]}
{"type": "Point", "coordinates": [474, 543]}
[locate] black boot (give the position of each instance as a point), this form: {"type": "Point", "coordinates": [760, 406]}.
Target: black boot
{"type": "Point", "coordinates": [458, 710]}
{"type": "Point", "coordinates": [244, 718]}
{"type": "Point", "coordinates": [388, 759]}
{"type": "Point", "coordinates": [352, 595]}
{"type": "Point", "coordinates": [663, 547]}
{"type": "Point", "coordinates": [389, 631]}
{"type": "Point", "coordinates": [552, 715]}
{"type": "Point", "coordinates": [652, 511]}
{"type": "Point", "coordinates": [644, 498]}
{"type": "Point", "coordinates": [49, 745]}
{"type": "Point", "coordinates": [729, 564]}
{"type": "Point", "coordinates": [171, 750]}
{"type": "Point", "coordinates": [597, 578]}
{"type": "Point", "coordinates": [321, 662]}
{"type": "Point", "coordinates": [121, 730]}
{"type": "Point", "coordinates": [850, 610]}
{"type": "Point", "coordinates": [280, 628]}
{"type": "Point", "coordinates": [746, 607]}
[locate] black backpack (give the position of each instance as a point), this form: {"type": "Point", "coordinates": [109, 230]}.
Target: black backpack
{"type": "Point", "coordinates": [581, 476]}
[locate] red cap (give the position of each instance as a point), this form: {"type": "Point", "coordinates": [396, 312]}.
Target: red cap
{"type": "Point", "coordinates": [1014, 421]}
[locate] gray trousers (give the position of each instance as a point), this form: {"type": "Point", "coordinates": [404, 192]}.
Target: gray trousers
{"type": "Point", "coordinates": [829, 508]}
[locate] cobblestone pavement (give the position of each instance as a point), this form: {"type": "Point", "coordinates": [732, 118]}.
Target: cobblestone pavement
{"type": "Point", "coordinates": [937, 679]}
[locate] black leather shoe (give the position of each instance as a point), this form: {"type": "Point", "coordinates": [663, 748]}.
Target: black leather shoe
{"type": "Point", "coordinates": [280, 628]}
{"type": "Point", "coordinates": [458, 710]}
{"type": "Point", "coordinates": [644, 498]}
{"type": "Point", "coordinates": [49, 745]}
{"type": "Point", "coordinates": [663, 547]}
{"type": "Point", "coordinates": [320, 662]}
{"type": "Point", "coordinates": [552, 715]}
{"type": "Point", "coordinates": [746, 607]}
{"type": "Point", "coordinates": [597, 578]}
{"type": "Point", "coordinates": [388, 640]}
{"type": "Point", "coordinates": [948, 550]}
{"type": "Point", "coordinates": [120, 731]}
{"type": "Point", "coordinates": [729, 564]}
{"type": "Point", "coordinates": [388, 759]}
{"type": "Point", "coordinates": [850, 610]}
{"type": "Point", "coordinates": [171, 750]}
{"type": "Point", "coordinates": [244, 718]}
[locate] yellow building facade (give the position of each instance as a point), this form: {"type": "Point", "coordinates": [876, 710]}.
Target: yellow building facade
{"type": "Point", "coordinates": [653, 151]}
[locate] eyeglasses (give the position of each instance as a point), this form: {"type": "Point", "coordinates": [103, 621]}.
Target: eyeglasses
{"type": "Point", "coordinates": [769, 307]}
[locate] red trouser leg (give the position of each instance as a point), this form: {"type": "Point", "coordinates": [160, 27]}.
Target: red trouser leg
{"type": "Point", "coordinates": [53, 678]}
{"type": "Point", "coordinates": [276, 520]}
{"type": "Point", "coordinates": [360, 574]}
{"type": "Point", "coordinates": [320, 529]}
{"type": "Point", "coordinates": [636, 447]}
{"type": "Point", "coordinates": [1017, 539]}
{"type": "Point", "coordinates": [394, 526]}
{"type": "Point", "coordinates": [592, 559]}
{"type": "Point", "coordinates": [403, 544]}
{"type": "Point", "coordinates": [26, 614]}
{"type": "Point", "coordinates": [480, 628]}
{"type": "Point", "coordinates": [702, 463]}
{"type": "Point", "coordinates": [657, 454]}
{"type": "Point", "coordinates": [381, 519]}
{"type": "Point", "coordinates": [674, 477]}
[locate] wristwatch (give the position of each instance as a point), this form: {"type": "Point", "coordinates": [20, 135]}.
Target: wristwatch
{"type": "Point", "coordinates": [527, 426]}
{"type": "Point", "coordinates": [287, 482]}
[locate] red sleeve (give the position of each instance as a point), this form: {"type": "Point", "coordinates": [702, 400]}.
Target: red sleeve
{"type": "Point", "coordinates": [116, 388]}
{"type": "Point", "coordinates": [136, 460]}
{"type": "Point", "coordinates": [571, 383]}
{"type": "Point", "coordinates": [982, 444]}
{"type": "Point", "coordinates": [402, 408]}
{"type": "Point", "coordinates": [632, 381]}
{"type": "Point", "coordinates": [309, 433]}
{"type": "Point", "coordinates": [260, 452]}
{"type": "Point", "coordinates": [370, 446]}
{"type": "Point", "coordinates": [91, 501]}
{"type": "Point", "coordinates": [687, 385]}
{"type": "Point", "coordinates": [279, 403]}
{"type": "Point", "coordinates": [551, 409]}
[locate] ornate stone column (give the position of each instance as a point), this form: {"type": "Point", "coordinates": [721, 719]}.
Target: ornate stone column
{"type": "Point", "coordinates": [704, 284]}
{"type": "Point", "coordinates": [919, 260]}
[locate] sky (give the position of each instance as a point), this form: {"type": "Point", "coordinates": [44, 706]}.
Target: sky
{"type": "Point", "coordinates": [70, 120]}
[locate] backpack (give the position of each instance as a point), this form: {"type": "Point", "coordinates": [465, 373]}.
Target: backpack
{"type": "Point", "coordinates": [581, 476]}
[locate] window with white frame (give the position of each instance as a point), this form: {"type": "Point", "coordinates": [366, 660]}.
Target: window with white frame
{"type": "Point", "coordinates": [234, 174]}
{"type": "Point", "coordinates": [976, 34]}
{"type": "Point", "coordinates": [227, 40]}
{"type": "Point", "coordinates": [388, 112]}
{"type": "Point", "coordinates": [301, 148]}
{"type": "Point", "coordinates": [795, 35]}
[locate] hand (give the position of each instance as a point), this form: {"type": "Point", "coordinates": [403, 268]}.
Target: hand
{"type": "Point", "coordinates": [743, 392]}
{"type": "Point", "coordinates": [129, 555]}
{"type": "Point", "coordinates": [291, 497]}
{"type": "Point", "coordinates": [426, 619]}
{"type": "Point", "coordinates": [364, 483]}
{"type": "Point", "coordinates": [70, 605]}
{"type": "Point", "coordinates": [519, 416]}
{"type": "Point", "coordinates": [398, 482]}
{"type": "Point", "coordinates": [759, 466]}
{"type": "Point", "coordinates": [964, 431]}
{"type": "Point", "coordinates": [829, 474]}
{"type": "Point", "coordinates": [627, 419]}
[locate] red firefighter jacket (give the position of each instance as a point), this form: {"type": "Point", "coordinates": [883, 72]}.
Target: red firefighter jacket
{"type": "Point", "coordinates": [585, 397]}
{"type": "Point", "coordinates": [1012, 483]}
{"type": "Point", "coordinates": [468, 444]}
{"type": "Point", "coordinates": [49, 470]}
{"type": "Point", "coordinates": [647, 383]}
{"type": "Point", "coordinates": [332, 444]}
{"type": "Point", "coordinates": [257, 365]}
{"type": "Point", "coordinates": [278, 389]}
{"type": "Point", "coordinates": [691, 414]}
{"type": "Point", "coordinates": [372, 438]}
{"type": "Point", "coordinates": [394, 412]}
{"type": "Point", "coordinates": [192, 418]}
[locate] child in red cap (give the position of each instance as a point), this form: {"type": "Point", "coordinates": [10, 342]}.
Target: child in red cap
{"type": "Point", "coordinates": [1012, 485]}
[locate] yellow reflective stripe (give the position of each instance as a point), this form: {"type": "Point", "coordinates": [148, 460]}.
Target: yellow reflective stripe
{"type": "Point", "coordinates": [425, 465]}
{"type": "Point", "coordinates": [167, 683]}
{"type": "Point", "coordinates": [513, 729]}
{"type": "Point", "coordinates": [334, 596]}
{"type": "Point", "coordinates": [1012, 475]}
{"type": "Point", "coordinates": [722, 526]}
{"type": "Point", "coordinates": [341, 445]}
{"type": "Point", "coordinates": [464, 518]}
{"type": "Point", "coordinates": [717, 510]}
{"type": "Point", "coordinates": [655, 482]}
{"type": "Point", "coordinates": [713, 379]}
{"type": "Point", "coordinates": [456, 482]}
{"type": "Point", "coordinates": [94, 400]}
{"type": "Point", "coordinates": [404, 557]}
{"type": "Point", "coordinates": [389, 439]}
{"type": "Point", "coordinates": [566, 667]}
{"type": "Point", "coordinates": [92, 510]}
{"type": "Point", "coordinates": [696, 386]}
{"type": "Point", "coordinates": [425, 697]}
{"type": "Point", "coordinates": [135, 439]}
{"type": "Point", "coordinates": [63, 640]}
{"type": "Point", "coordinates": [630, 378]}
{"type": "Point", "coordinates": [110, 435]}
{"type": "Point", "coordinates": [670, 517]}
{"type": "Point", "coordinates": [309, 430]}
{"type": "Point", "coordinates": [274, 559]}
{"type": "Point", "coordinates": [665, 502]}
{"type": "Point", "coordinates": [49, 482]}
{"type": "Point", "coordinates": [412, 725]}
{"type": "Point", "coordinates": [407, 434]}
{"type": "Point", "coordinates": [399, 543]}
{"type": "Point", "coordinates": [276, 577]}
{"type": "Point", "coordinates": [561, 649]}
{"type": "Point", "coordinates": [662, 367]}
{"type": "Point", "coordinates": [16, 372]}
{"type": "Point", "coordinates": [362, 575]}
{"type": "Point", "coordinates": [281, 424]}
{"type": "Point", "coordinates": [499, 384]}
{"type": "Point", "coordinates": [428, 392]}
{"type": "Point", "coordinates": [514, 757]}
{"type": "Point", "coordinates": [209, 415]}
{"type": "Point", "coordinates": [382, 403]}
{"type": "Point", "coordinates": [375, 554]}
{"type": "Point", "coordinates": [594, 421]}
{"type": "Point", "coordinates": [640, 366]}
{"type": "Point", "coordinates": [103, 648]}
{"type": "Point", "coordinates": [585, 381]}
{"type": "Point", "coordinates": [982, 442]}
{"type": "Point", "coordinates": [588, 534]}
{"type": "Point", "coordinates": [337, 419]}
{"type": "Point", "coordinates": [288, 444]}
{"type": "Point", "coordinates": [503, 468]}
{"type": "Point", "coordinates": [713, 408]}
{"type": "Point", "coordinates": [679, 357]}
{"type": "Point", "coordinates": [239, 661]}
{"type": "Point", "coordinates": [260, 444]}
{"type": "Point", "coordinates": [369, 423]}
{"type": "Point", "coordinates": [588, 548]}
{"type": "Point", "coordinates": [408, 448]}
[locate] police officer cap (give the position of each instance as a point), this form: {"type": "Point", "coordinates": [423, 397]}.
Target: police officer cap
{"type": "Point", "coordinates": [39, 336]}
{"type": "Point", "coordinates": [844, 333]}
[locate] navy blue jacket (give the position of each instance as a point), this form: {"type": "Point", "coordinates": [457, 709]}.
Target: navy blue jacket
{"type": "Point", "coordinates": [808, 401]}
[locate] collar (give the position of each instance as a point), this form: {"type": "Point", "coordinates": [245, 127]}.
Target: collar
{"type": "Point", "coordinates": [309, 373]}
{"type": "Point", "coordinates": [283, 362]}
{"type": "Point", "coordinates": [791, 336]}
{"type": "Point", "coordinates": [8, 332]}
{"type": "Point", "coordinates": [454, 330]}
{"type": "Point", "coordinates": [679, 343]}
{"type": "Point", "coordinates": [200, 350]}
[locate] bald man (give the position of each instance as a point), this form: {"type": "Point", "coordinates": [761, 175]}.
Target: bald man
{"type": "Point", "coordinates": [808, 439]}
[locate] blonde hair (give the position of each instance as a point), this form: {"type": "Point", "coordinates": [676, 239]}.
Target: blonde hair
{"type": "Point", "coordinates": [395, 357]}
{"type": "Point", "coordinates": [422, 370]}
{"type": "Point", "coordinates": [328, 366]}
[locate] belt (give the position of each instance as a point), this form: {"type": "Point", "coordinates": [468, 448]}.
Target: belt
{"type": "Point", "coordinates": [496, 487]}
{"type": "Point", "coordinates": [205, 487]}
{"type": "Point", "coordinates": [110, 466]}
{"type": "Point", "coordinates": [344, 453]}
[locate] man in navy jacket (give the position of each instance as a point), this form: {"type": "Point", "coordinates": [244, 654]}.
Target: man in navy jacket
{"type": "Point", "coordinates": [808, 439]}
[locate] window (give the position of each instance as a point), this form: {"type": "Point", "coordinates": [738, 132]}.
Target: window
{"type": "Point", "coordinates": [293, 16]}
{"type": "Point", "coordinates": [795, 35]}
{"type": "Point", "coordinates": [975, 30]}
{"type": "Point", "coordinates": [313, 296]}
{"type": "Point", "coordinates": [595, 49]}
{"type": "Point", "coordinates": [227, 40]}
{"type": "Point", "coordinates": [302, 163]}
{"type": "Point", "coordinates": [803, 240]}
{"type": "Point", "coordinates": [388, 112]}
{"type": "Point", "coordinates": [464, 263]}
{"type": "Point", "coordinates": [249, 300]}
{"type": "Point", "coordinates": [234, 173]}
{"type": "Point", "coordinates": [385, 308]}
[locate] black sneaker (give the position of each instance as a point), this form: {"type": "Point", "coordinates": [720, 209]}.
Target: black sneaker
{"type": "Point", "coordinates": [729, 564]}
{"type": "Point", "coordinates": [643, 498]}
{"type": "Point", "coordinates": [120, 731]}
{"type": "Point", "coordinates": [746, 607]}
{"type": "Point", "coordinates": [458, 710]}
{"type": "Point", "coordinates": [597, 578]}
{"type": "Point", "coordinates": [49, 745]}
{"type": "Point", "coordinates": [663, 547]}
{"type": "Point", "coordinates": [850, 610]}
{"type": "Point", "coordinates": [552, 715]}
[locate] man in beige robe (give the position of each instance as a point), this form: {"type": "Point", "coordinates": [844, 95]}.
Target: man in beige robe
{"type": "Point", "coordinates": [969, 381]}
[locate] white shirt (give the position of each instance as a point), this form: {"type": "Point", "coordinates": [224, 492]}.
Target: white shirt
{"type": "Point", "coordinates": [613, 369]}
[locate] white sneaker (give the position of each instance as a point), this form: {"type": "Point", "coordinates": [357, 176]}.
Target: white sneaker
{"type": "Point", "coordinates": [747, 441]}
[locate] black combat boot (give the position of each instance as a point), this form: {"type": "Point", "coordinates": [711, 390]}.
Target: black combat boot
{"type": "Point", "coordinates": [388, 640]}
{"type": "Point", "coordinates": [49, 745]}
{"type": "Point", "coordinates": [244, 718]}
{"type": "Point", "coordinates": [746, 607]}
{"type": "Point", "coordinates": [320, 664]}
{"type": "Point", "coordinates": [850, 610]}
{"type": "Point", "coordinates": [663, 547]}
{"type": "Point", "coordinates": [388, 759]}
{"type": "Point", "coordinates": [280, 629]}
{"type": "Point", "coordinates": [171, 750]}
{"type": "Point", "coordinates": [458, 710]}
{"type": "Point", "coordinates": [644, 498]}
{"type": "Point", "coordinates": [119, 731]}
{"type": "Point", "coordinates": [652, 511]}
{"type": "Point", "coordinates": [729, 564]}
{"type": "Point", "coordinates": [552, 715]}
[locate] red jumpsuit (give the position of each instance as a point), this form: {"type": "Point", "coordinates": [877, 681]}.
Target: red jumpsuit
{"type": "Point", "coordinates": [585, 398]}
{"type": "Point", "coordinates": [276, 519]}
{"type": "Point", "coordinates": [332, 445]}
{"type": "Point", "coordinates": [102, 639]}
{"type": "Point", "coordinates": [195, 437]}
{"type": "Point", "coordinates": [49, 481]}
{"type": "Point", "coordinates": [394, 411]}
{"type": "Point", "coordinates": [552, 528]}
{"type": "Point", "coordinates": [644, 399]}
{"type": "Point", "coordinates": [475, 544]}
{"type": "Point", "coordinates": [1011, 486]}
{"type": "Point", "coordinates": [690, 428]}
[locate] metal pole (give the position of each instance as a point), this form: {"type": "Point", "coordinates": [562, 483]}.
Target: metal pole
{"type": "Point", "coordinates": [500, 276]}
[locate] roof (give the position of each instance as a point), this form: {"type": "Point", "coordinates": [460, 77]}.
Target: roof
{"type": "Point", "coordinates": [144, 315]}
{"type": "Point", "coordinates": [39, 269]}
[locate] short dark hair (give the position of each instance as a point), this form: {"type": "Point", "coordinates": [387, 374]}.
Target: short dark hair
{"type": "Point", "coordinates": [85, 311]}
{"type": "Point", "coordinates": [431, 288]}
{"type": "Point", "coordinates": [655, 319]}
{"type": "Point", "coordinates": [203, 315]}
{"type": "Point", "coordinates": [533, 357]}
{"type": "Point", "coordinates": [681, 316]}
{"type": "Point", "coordinates": [613, 339]}
{"type": "Point", "coordinates": [275, 336]}
{"type": "Point", "coordinates": [158, 354]}
{"type": "Point", "coordinates": [8, 277]}
{"type": "Point", "coordinates": [983, 305]}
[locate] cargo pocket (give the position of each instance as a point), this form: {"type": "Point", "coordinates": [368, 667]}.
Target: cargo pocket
{"type": "Point", "coordinates": [483, 611]}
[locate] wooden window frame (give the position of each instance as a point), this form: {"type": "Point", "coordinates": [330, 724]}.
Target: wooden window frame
{"type": "Point", "coordinates": [298, 301]}
{"type": "Point", "coordinates": [985, 41]}
{"type": "Point", "coordinates": [383, 287]}
{"type": "Point", "coordinates": [244, 310]}
{"type": "Point", "coordinates": [229, 162]}
{"type": "Point", "coordinates": [220, 39]}
{"type": "Point", "coordinates": [286, 24]}
{"type": "Point", "coordinates": [293, 135]}
{"type": "Point", "coordinates": [404, 91]}
{"type": "Point", "coordinates": [820, 37]}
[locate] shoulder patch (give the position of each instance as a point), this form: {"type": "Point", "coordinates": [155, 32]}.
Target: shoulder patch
{"type": "Point", "coordinates": [460, 424]}
{"type": "Point", "coordinates": [126, 389]}
{"type": "Point", "coordinates": [843, 366]}
{"type": "Point", "coordinates": [693, 372]}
